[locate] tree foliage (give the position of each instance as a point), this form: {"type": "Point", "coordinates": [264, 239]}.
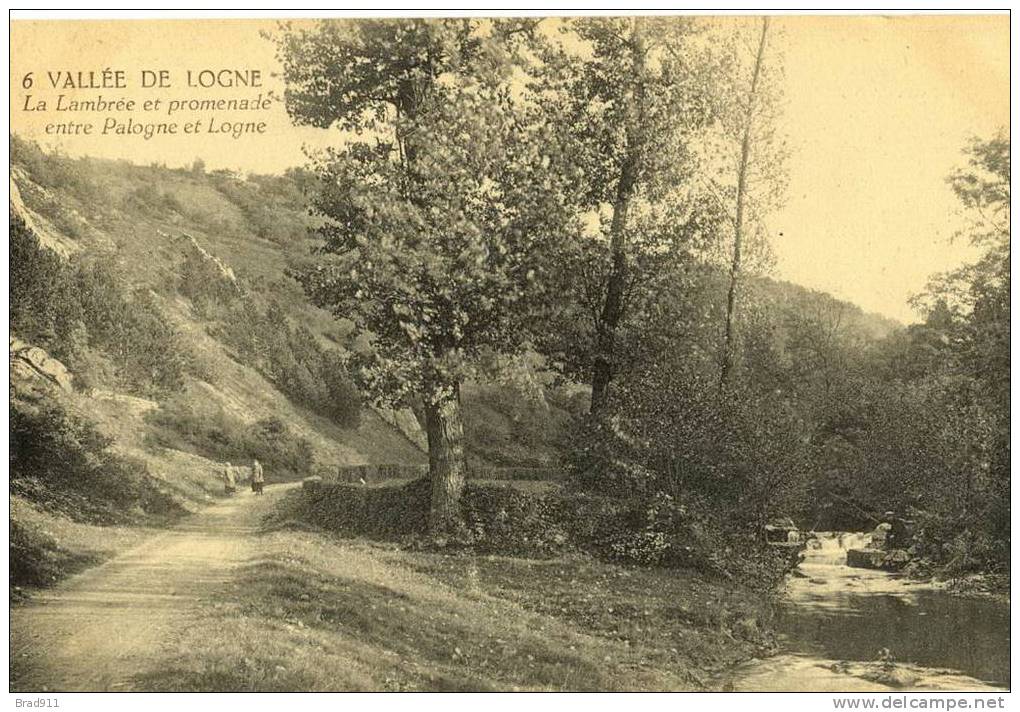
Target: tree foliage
{"type": "Point", "coordinates": [440, 217]}
{"type": "Point", "coordinates": [628, 98]}
{"type": "Point", "coordinates": [504, 184]}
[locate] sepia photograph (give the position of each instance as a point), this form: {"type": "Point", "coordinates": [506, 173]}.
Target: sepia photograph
{"type": "Point", "coordinates": [536, 351]}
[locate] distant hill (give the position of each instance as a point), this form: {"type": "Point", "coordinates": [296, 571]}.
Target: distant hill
{"type": "Point", "coordinates": [872, 326]}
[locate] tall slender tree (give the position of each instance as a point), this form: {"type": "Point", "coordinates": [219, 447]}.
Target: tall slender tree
{"type": "Point", "coordinates": [758, 156]}
{"type": "Point", "coordinates": [738, 221]}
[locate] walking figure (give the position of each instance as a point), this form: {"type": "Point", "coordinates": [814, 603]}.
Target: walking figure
{"type": "Point", "coordinates": [228, 478]}
{"type": "Point", "coordinates": [257, 478]}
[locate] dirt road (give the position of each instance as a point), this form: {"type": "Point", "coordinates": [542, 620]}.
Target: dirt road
{"type": "Point", "coordinates": [97, 630]}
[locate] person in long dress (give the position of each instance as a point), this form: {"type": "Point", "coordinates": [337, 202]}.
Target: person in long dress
{"type": "Point", "coordinates": [258, 479]}
{"type": "Point", "coordinates": [228, 478]}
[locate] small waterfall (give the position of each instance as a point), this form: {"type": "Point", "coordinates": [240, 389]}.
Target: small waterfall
{"type": "Point", "coordinates": [829, 548]}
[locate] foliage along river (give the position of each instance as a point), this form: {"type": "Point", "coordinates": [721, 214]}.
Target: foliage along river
{"type": "Point", "coordinates": [847, 629]}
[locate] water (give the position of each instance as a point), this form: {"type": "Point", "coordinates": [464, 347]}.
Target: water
{"type": "Point", "coordinates": [857, 629]}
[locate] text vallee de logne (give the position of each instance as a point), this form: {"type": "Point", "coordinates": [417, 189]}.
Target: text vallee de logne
{"type": "Point", "coordinates": [167, 112]}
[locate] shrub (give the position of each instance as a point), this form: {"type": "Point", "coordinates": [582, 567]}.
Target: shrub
{"type": "Point", "coordinates": [654, 531]}
{"type": "Point", "coordinates": [506, 521]}
{"type": "Point", "coordinates": [204, 283]}
{"type": "Point", "coordinates": [958, 545]}
{"type": "Point", "coordinates": [38, 560]}
{"type": "Point", "coordinates": [43, 302]}
{"type": "Point", "coordinates": [309, 373]}
{"type": "Point", "coordinates": [742, 452]}
{"type": "Point", "coordinates": [56, 172]}
{"type": "Point", "coordinates": [62, 461]}
{"type": "Point", "coordinates": [272, 207]}
{"type": "Point", "coordinates": [385, 512]}
{"type": "Point", "coordinates": [149, 199]}
{"type": "Point", "coordinates": [70, 306]}
{"type": "Point", "coordinates": [279, 450]}
{"type": "Point", "coordinates": [193, 424]}
{"type": "Point", "coordinates": [507, 423]}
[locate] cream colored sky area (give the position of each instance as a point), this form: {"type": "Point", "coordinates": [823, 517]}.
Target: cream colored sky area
{"type": "Point", "coordinates": [877, 111]}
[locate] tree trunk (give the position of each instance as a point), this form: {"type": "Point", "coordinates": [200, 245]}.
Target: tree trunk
{"type": "Point", "coordinates": [444, 426]}
{"type": "Point", "coordinates": [613, 308]}
{"type": "Point", "coordinates": [445, 431]}
{"type": "Point", "coordinates": [738, 230]}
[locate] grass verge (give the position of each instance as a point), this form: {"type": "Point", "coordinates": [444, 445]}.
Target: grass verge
{"type": "Point", "coordinates": [348, 614]}
{"type": "Point", "coordinates": [46, 548]}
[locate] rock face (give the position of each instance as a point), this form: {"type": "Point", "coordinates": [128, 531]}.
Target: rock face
{"type": "Point", "coordinates": [893, 560]}
{"type": "Point", "coordinates": [216, 265]}
{"type": "Point", "coordinates": [50, 238]}
{"type": "Point", "coordinates": [30, 361]}
{"type": "Point", "coordinates": [405, 421]}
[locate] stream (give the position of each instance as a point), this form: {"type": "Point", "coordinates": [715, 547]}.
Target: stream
{"type": "Point", "coordinates": [858, 630]}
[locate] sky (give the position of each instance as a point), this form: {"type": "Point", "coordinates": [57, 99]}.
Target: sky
{"type": "Point", "coordinates": [877, 111]}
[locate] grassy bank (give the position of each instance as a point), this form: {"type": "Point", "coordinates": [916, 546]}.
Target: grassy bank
{"type": "Point", "coordinates": [316, 612]}
{"type": "Point", "coordinates": [46, 548]}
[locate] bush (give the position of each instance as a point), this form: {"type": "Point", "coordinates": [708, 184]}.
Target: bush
{"type": "Point", "coordinates": [507, 424]}
{"type": "Point", "coordinates": [69, 307]}
{"type": "Point", "coordinates": [292, 358]}
{"type": "Point", "coordinates": [54, 171]}
{"type": "Point", "coordinates": [284, 455]}
{"type": "Point", "coordinates": [741, 452]}
{"type": "Point", "coordinates": [191, 423]}
{"type": "Point", "coordinates": [385, 512]}
{"type": "Point", "coordinates": [205, 284]}
{"type": "Point", "coordinates": [504, 520]}
{"type": "Point", "coordinates": [263, 337]}
{"type": "Point", "coordinates": [149, 199]}
{"type": "Point", "coordinates": [654, 531]}
{"type": "Point", "coordinates": [957, 545]}
{"type": "Point", "coordinates": [38, 560]}
{"type": "Point", "coordinates": [43, 303]}
{"type": "Point", "coordinates": [63, 462]}
{"type": "Point", "coordinates": [273, 207]}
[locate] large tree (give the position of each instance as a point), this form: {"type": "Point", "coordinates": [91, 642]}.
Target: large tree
{"type": "Point", "coordinates": [439, 216]}
{"type": "Point", "coordinates": [628, 97]}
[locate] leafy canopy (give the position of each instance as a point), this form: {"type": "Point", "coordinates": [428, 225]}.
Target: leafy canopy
{"type": "Point", "coordinates": [440, 216]}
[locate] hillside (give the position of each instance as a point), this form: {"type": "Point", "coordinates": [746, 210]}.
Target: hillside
{"type": "Point", "coordinates": [166, 296]}
{"type": "Point", "coordinates": [126, 398]}
{"type": "Point", "coordinates": [136, 218]}
{"type": "Point", "coordinates": [163, 295]}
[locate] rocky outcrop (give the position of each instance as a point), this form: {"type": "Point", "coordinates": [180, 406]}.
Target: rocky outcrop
{"type": "Point", "coordinates": [32, 362]}
{"type": "Point", "coordinates": [224, 271]}
{"type": "Point", "coordinates": [203, 273]}
{"type": "Point", "coordinates": [130, 404]}
{"type": "Point", "coordinates": [48, 237]}
{"type": "Point", "coordinates": [880, 559]}
{"type": "Point", "coordinates": [405, 421]}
